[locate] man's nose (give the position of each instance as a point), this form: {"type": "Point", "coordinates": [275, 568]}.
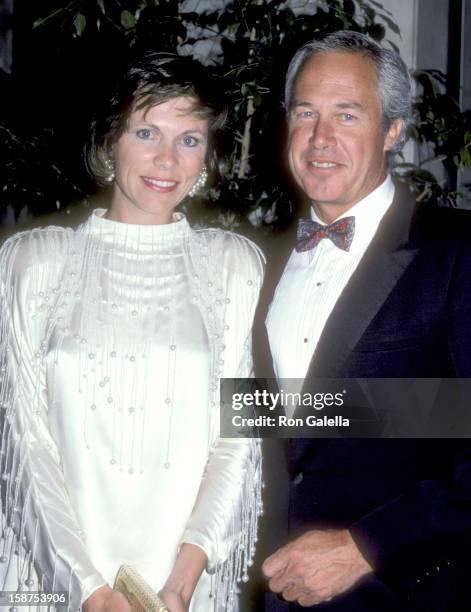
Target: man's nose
{"type": "Point", "coordinates": [322, 135]}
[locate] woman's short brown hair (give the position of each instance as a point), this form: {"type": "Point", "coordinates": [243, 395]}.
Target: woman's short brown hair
{"type": "Point", "coordinates": [149, 80]}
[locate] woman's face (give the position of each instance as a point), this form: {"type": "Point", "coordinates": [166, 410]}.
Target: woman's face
{"type": "Point", "coordinates": [157, 161]}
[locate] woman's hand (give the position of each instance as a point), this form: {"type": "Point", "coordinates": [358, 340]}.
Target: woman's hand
{"type": "Point", "coordinates": [105, 599]}
{"type": "Point", "coordinates": [178, 589]}
{"type": "Point", "coordinates": [173, 600]}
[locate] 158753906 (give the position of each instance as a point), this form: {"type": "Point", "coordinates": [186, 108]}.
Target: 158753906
{"type": "Point", "coordinates": [28, 598]}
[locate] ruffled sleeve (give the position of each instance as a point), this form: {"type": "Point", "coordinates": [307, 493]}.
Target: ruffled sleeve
{"type": "Point", "coordinates": [42, 545]}
{"type": "Point", "coordinates": [224, 519]}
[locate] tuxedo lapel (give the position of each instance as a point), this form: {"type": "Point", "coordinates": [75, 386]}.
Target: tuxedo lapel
{"type": "Point", "coordinates": [386, 259]}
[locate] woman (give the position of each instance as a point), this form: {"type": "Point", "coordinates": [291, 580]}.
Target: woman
{"type": "Point", "coordinates": [114, 339]}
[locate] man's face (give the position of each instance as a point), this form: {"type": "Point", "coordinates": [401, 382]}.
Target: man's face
{"type": "Point", "coordinates": [336, 141]}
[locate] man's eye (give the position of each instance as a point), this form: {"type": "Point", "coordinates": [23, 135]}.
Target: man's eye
{"type": "Point", "coordinates": [190, 141]}
{"type": "Point", "coordinates": [304, 114]}
{"type": "Point", "coordinates": [347, 117]}
{"type": "Point", "coordinates": [144, 133]}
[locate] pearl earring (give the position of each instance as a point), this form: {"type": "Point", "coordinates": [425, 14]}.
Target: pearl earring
{"type": "Point", "coordinates": [200, 182]}
{"type": "Point", "coordinates": [109, 163]}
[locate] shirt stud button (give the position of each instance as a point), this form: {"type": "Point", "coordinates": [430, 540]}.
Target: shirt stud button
{"type": "Point", "coordinates": [297, 480]}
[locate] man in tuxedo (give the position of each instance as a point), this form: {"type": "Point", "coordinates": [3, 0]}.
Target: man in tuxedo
{"type": "Point", "coordinates": [376, 287]}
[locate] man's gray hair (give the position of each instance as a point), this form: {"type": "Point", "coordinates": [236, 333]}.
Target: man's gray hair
{"type": "Point", "coordinates": [393, 76]}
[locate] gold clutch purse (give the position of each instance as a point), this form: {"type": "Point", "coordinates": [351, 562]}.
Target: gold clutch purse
{"type": "Point", "coordinates": [136, 590]}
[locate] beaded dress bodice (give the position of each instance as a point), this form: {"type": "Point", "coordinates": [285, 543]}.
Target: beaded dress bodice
{"type": "Point", "coordinates": [125, 332]}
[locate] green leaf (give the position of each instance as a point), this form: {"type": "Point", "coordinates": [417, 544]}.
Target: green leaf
{"type": "Point", "coordinates": [377, 31]}
{"type": "Point", "coordinates": [80, 23]}
{"type": "Point", "coordinates": [393, 46]}
{"type": "Point", "coordinates": [101, 4]}
{"type": "Point", "coordinates": [42, 20]}
{"type": "Point", "coordinates": [465, 156]}
{"type": "Point", "coordinates": [380, 6]}
{"type": "Point", "coordinates": [425, 176]}
{"type": "Point", "coordinates": [128, 20]}
{"type": "Point", "coordinates": [391, 25]}
{"type": "Point", "coordinates": [370, 13]}
{"type": "Point", "coordinates": [349, 7]}
{"type": "Point", "coordinates": [434, 84]}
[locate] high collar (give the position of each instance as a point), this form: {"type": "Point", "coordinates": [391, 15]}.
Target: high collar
{"type": "Point", "coordinates": [136, 235]}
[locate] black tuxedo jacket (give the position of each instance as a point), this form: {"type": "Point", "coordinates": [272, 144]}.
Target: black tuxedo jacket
{"type": "Point", "coordinates": [406, 312]}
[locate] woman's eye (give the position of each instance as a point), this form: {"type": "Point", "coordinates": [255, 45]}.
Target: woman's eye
{"type": "Point", "coordinates": [190, 141]}
{"type": "Point", "coordinates": [144, 133]}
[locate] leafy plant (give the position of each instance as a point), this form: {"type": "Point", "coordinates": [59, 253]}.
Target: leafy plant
{"type": "Point", "coordinates": [443, 132]}
{"type": "Point", "coordinates": [31, 174]}
{"type": "Point", "coordinates": [249, 42]}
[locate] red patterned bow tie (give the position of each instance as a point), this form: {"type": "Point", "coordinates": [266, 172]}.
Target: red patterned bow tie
{"type": "Point", "coordinates": [310, 233]}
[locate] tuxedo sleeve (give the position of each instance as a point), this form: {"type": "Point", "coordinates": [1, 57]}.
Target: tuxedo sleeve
{"type": "Point", "coordinates": [432, 520]}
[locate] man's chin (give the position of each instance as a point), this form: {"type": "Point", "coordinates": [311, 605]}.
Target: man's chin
{"type": "Point", "coordinates": [325, 199]}
{"type": "Point", "coordinates": [328, 194]}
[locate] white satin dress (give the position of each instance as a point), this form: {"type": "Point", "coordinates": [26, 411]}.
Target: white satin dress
{"type": "Point", "coordinates": [114, 337]}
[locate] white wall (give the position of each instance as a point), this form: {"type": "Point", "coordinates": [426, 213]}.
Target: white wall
{"type": "Point", "coordinates": [404, 14]}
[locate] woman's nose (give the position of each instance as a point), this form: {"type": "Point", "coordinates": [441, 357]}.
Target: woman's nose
{"type": "Point", "coordinates": [164, 155]}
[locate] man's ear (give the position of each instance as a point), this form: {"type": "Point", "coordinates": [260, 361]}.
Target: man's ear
{"type": "Point", "coordinates": [393, 134]}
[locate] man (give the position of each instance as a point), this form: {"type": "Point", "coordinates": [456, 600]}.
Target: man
{"type": "Point", "coordinates": [380, 288]}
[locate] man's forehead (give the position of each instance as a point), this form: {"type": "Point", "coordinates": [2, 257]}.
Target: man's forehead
{"type": "Point", "coordinates": [341, 104]}
{"type": "Point", "coordinates": [348, 78]}
{"type": "Point", "coordinates": [342, 66]}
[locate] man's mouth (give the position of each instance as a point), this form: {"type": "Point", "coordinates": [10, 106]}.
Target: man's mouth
{"type": "Point", "coordinates": [324, 164]}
